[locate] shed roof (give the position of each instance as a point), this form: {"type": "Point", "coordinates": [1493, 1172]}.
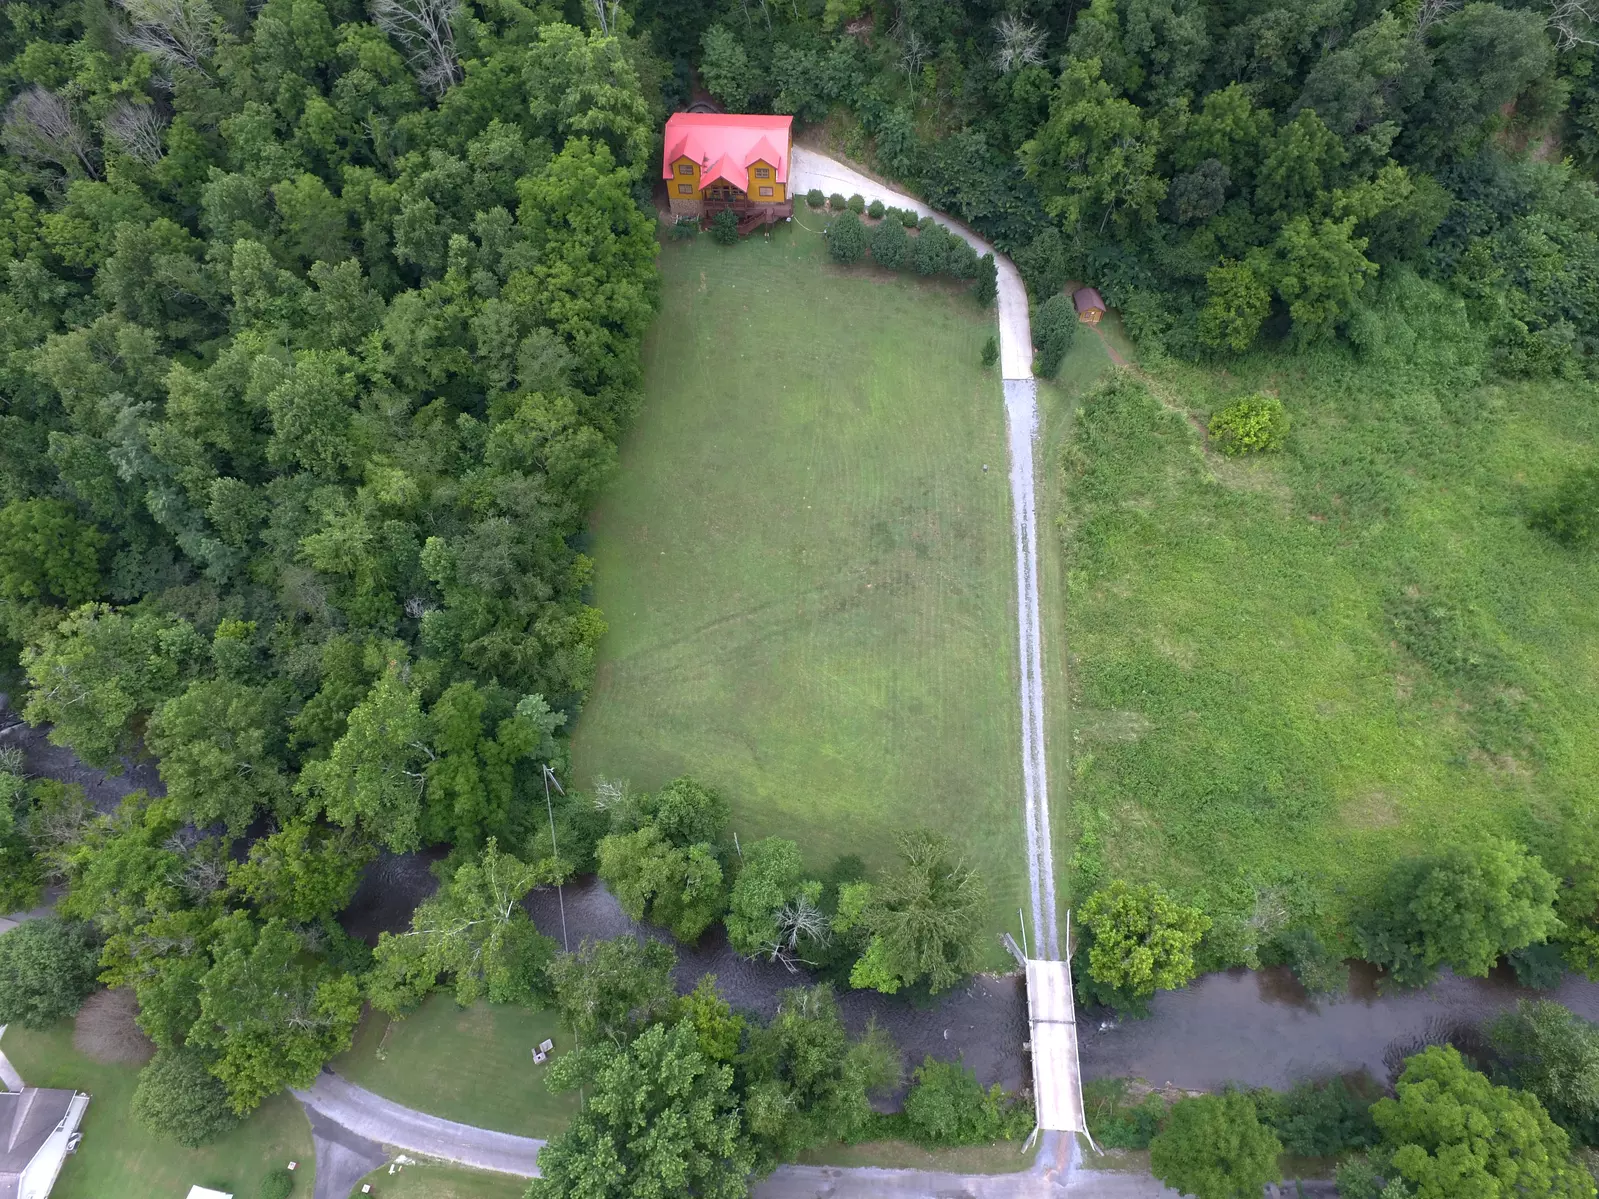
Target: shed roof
{"type": "Point", "coordinates": [1085, 298]}
{"type": "Point", "coordinates": [207, 1193]}
{"type": "Point", "coordinates": [727, 144]}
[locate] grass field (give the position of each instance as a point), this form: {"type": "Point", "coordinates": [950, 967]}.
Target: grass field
{"type": "Point", "coordinates": [1287, 671]}
{"type": "Point", "coordinates": [427, 1180]}
{"type": "Point", "coordinates": [118, 1158]}
{"type": "Point", "coordinates": [473, 1065]}
{"type": "Point", "coordinates": [808, 575]}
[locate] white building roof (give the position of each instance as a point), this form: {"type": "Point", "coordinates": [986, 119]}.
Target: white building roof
{"type": "Point", "coordinates": [207, 1193]}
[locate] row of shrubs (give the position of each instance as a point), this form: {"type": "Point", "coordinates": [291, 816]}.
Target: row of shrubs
{"type": "Point", "coordinates": [934, 250]}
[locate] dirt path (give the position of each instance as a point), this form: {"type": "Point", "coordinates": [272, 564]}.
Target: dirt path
{"type": "Point", "coordinates": [1115, 354]}
{"type": "Point", "coordinates": [812, 169]}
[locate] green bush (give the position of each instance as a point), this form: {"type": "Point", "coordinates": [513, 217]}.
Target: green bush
{"type": "Point", "coordinates": [930, 255]}
{"type": "Point", "coordinates": [1358, 1178]}
{"type": "Point", "coordinates": [857, 203]}
{"type": "Point", "coordinates": [1115, 1121]}
{"type": "Point", "coordinates": [990, 352]}
{"type": "Point", "coordinates": [1054, 327]}
{"type": "Point", "coordinates": [1255, 424]}
{"type": "Point", "coordinates": [987, 281]}
{"type": "Point", "coordinates": [909, 219]}
{"type": "Point", "coordinates": [926, 223]}
{"type": "Point", "coordinates": [686, 228]}
{"type": "Point", "coordinates": [1571, 516]}
{"type": "Point", "coordinates": [277, 1185]}
{"type": "Point", "coordinates": [891, 245]}
{"type": "Point", "coordinates": [960, 259]}
{"type": "Point", "coordinates": [846, 238]}
{"type": "Point", "coordinates": [948, 1106]}
{"type": "Point", "coordinates": [815, 198]}
{"type": "Point", "coordinates": [1318, 1120]}
{"type": "Point", "coordinates": [178, 1098]}
{"type": "Point", "coordinates": [724, 227]}
{"type": "Point", "coordinates": [836, 202]}
{"type": "Point", "coordinates": [1318, 967]}
{"type": "Point", "coordinates": [875, 210]}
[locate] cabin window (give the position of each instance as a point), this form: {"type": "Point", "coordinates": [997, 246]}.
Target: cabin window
{"type": "Point", "coordinates": [766, 191]}
{"type": "Point", "coordinates": [763, 173]}
{"type": "Point", "coordinates": [685, 168]}
{"type": "Point", "coordinates": [685, 189]}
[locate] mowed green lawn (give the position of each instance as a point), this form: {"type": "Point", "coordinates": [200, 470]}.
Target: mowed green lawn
{"type": "Point", "coordinates": [1288, 671]}
{"type": "Point", "coordinates": [809, 577]}
{"type": "Point", "coordinates": [119, 1158]}
{"type": "Point", "coordinates": [473, 1065]}
{"type": "Point", "coordinates": [435, 1180]}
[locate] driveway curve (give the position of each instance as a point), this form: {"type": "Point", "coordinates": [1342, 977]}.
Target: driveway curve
{"type": "Point", "coordinates": [378, 1119]}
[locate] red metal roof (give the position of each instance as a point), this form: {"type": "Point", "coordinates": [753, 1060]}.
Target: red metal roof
{"type": "Point", "coordinates": [1085, 298]}
{"type": "Point", "coordinates": [727, 143]}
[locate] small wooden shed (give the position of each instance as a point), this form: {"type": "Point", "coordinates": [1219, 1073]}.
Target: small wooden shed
{"type": "Point", "coordinates": [1089, 306]}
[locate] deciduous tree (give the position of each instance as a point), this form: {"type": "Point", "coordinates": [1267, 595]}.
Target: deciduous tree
{"type": "Point", "coordinates": [1141, 941]}
{"type": "Point", "coordinates": [612, 989]}
{"type": "Point", "coordinates": [47, 968]}
{"type": "Point", "coordinates": [271, 1017]}
{"type": "Point", "coordinates": [1451, 1132]}
{"type": "Point", "coordinates": [179, 1099]}
{"type": "Point", "coordinates": [660, 1121]}
{"type": "Point", "coordinates": [1214, 1147]}
{"type": "Point", "coordinates": [1464, 908]}
{"type": "Point", "coordinates": [475, 931]}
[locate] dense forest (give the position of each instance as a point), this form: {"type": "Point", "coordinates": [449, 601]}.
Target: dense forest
{"type": "Point", "coordinates": [1224, 170]}
{"type": "Point", "coordinates": [322, 320]}
{"type": "Point", "coordinates": [320, 327]}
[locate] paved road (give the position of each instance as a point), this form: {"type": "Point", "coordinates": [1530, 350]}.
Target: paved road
{"type": "Point", "coordinates": [387, 1123]}
{"type": "Point", "coordinates": [1055, 1174]}
{"type": "Point", "coordinates": [812, 169]}
{"type": "Point", "coordinates": [342, 1157]}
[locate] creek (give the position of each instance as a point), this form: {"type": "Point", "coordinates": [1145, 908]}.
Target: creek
{"type": "Point", "coordinates": [1257, 1027]}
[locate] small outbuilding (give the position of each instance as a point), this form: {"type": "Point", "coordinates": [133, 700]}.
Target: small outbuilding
{"type": "Point", "coordinates": [1089, 306]}
{"type": "Point", "coordinates": [207, 1193]}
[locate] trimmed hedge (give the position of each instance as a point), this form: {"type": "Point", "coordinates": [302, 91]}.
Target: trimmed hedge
{"type": "Point", "coordinates": [846, 238]}
{"type": "Point", "coordinates": [891, 245]}
{"type": "Point", "coordinates": [815, 198]}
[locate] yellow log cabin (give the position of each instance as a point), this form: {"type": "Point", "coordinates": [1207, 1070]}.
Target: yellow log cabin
{"type": "Point", "coordinates": [713, 161]}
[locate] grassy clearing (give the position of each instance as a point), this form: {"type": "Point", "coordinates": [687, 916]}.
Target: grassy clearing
{"type": "Point", "coordinates": [1289, 670]}
{"type": "Point", "coordinates": [473, 1065]}
{"type": "Point", "coordinates": [1085, 364]}
{"type": "Point", "coordinates": [808, 575]}
{"type": "Point", "coordinates": [427, 1180]}
{"type": "Point", "coordinates": [118, 1157]}
{"type": "Point", "coordinates": [1001, 1157]}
